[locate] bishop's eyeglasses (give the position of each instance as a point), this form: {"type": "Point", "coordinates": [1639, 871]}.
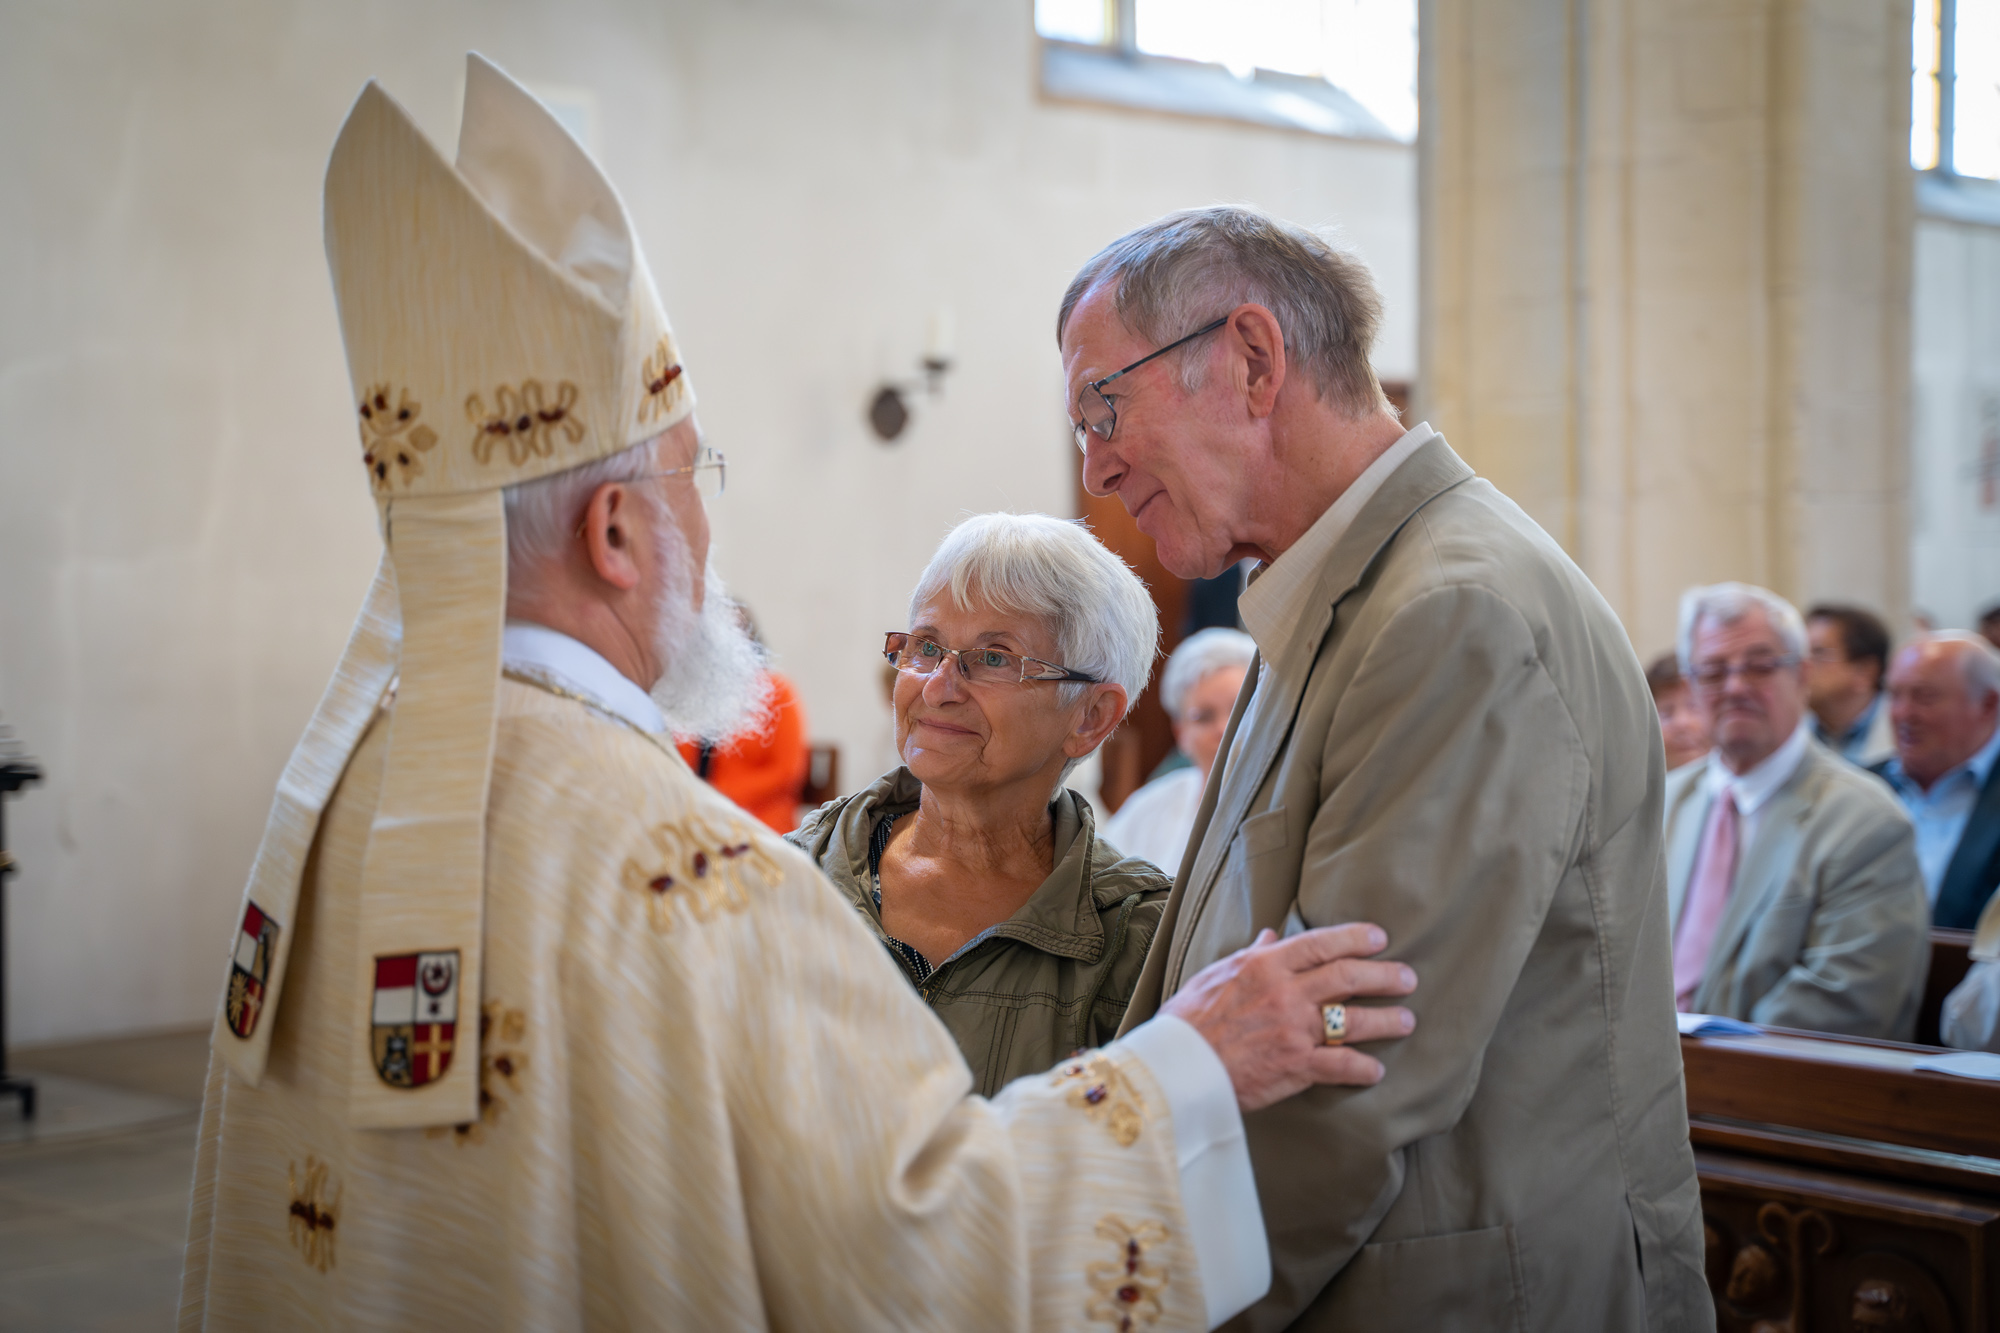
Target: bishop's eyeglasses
{"type": "Point", "coordinates": [1097, 414]}
{"type": "Point", "coordinates": [980, 666]}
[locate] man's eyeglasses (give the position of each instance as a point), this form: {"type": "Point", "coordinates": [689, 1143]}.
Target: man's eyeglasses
{"type": "Point", "coordinates": [1095, 412]}
{"type": "Point", "coordinates": [1713, 676]}
{"type": "Point", "coordinates": [980, 666]}
{"type": "Point", "coordinates": [710, 470]}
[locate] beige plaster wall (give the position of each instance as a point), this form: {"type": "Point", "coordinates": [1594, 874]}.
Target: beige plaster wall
{"type": "Point", "coordinates": [184, 532]}
{"type": "Point", "coordinates": [1666, 285]}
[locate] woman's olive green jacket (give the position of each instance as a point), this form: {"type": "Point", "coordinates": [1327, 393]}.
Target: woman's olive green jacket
{"type": "Point", "coordinates": [1055, 976]}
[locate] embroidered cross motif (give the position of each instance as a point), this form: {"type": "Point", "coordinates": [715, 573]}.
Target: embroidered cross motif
{"type": "Point", "coordinates": [660, 372]}
{"type": "Point", "coordinates": [312, 1216]}
{"type": "Point", "coordinates": [1128, 1288]}
{"type": "Point", "coordinates": [501, 1032]}
{"type": "Point", "coordinates": [391, 439]}
{"type": "Point", "coordinates": [1106, 1095]}
{"type": "Point", "coordinates": [525, 420]}
{"type": "Point", "coordinates": [709, 865]}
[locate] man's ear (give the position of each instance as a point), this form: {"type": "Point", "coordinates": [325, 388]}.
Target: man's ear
{"type": "Point", "coordinates": [611, 535]}
{"type": "Point", "coordinates": [1103, 710]}
{"type": "Point", "coordinates": [1259, 343]}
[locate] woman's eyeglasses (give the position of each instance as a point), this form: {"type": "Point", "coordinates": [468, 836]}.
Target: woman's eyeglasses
{"type": "Point", "coordinates": [980, 666]}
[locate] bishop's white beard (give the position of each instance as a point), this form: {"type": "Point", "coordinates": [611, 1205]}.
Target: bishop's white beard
{"type": "Point", "coordinates": [713, 686]}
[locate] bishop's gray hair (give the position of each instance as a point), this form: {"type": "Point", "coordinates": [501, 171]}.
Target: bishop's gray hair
{"type": "Point", "coordinates": [1727, 603]}
{"type": "Point", "coordinates": [1096, 609]}
{"type": "Point", "coordinates": [542, 514]}
{"type": "Point", "coordinates": [1200, 656]}
{"type": "Point", "coordinates": [1177, 273]}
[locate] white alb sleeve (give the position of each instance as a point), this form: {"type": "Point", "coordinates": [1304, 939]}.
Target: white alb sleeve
{"type": "Point", "coordinates": [1218, 1190]}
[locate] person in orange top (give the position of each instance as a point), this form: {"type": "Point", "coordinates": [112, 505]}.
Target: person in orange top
{"type": "Point", "coordinates": [763, 771]}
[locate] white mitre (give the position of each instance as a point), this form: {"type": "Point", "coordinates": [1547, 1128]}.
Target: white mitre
{"type": "Point", "coordinates": [501, 325]}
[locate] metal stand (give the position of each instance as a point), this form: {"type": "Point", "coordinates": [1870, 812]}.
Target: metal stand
{"type": "Point", "coordinates": [14, 775]}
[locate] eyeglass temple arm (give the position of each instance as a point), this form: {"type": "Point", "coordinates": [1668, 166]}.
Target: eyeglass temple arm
{"type": "Point", "coordinates": [1209, 327]}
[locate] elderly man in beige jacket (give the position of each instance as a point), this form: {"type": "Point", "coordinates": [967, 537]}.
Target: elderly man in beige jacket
{"type": "Point", "coordinates": [1446, 733]}
{"type": "Point", "coordinates": [1792, 875]}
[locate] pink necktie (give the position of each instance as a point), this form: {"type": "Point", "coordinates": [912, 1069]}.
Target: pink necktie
{"type": "Point", "coordinates": [1707, 895]}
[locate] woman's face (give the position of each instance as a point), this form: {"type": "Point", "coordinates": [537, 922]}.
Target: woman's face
{"type": "Point", "coordinates": [1205, 716]}
{"type": "Point", "coordinates": [957, 736]}
{"type": "Point", "coordinates": [1683, 729]}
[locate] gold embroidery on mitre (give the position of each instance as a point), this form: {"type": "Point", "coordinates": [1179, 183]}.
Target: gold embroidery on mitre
{"type": "Point", "coordinates": [501, 1060]}
{"type": "Point", "coordinates": [708, 864]}
{"type": "Point", "coordinates": [391, 438]}
{"type": "Point", "coordinates": [312, 1217]}
{"type": "Point", "coordinates": [1103, 1093]}
{"type": "Point", "coordinates": [1128, 1288]}
{"type": "Point", "coordinates": [660, 372]}
{"type": "Point", "coordinates": [526, 419]}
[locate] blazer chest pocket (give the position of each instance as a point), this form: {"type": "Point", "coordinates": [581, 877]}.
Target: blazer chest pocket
{"type": "Point", "coordinates": [1466, 1280]}
{"type": "Point", "coordinates": [1262, 833]}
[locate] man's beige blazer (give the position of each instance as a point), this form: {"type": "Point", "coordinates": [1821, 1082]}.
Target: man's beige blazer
{"type": "Point", "coordinates": [1828, 925]}
{"type": "Point", "coordinates": [1459, 745]}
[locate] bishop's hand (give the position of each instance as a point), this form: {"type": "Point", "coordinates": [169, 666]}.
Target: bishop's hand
{"type": "Point", "coordinates": [1261, 1010]}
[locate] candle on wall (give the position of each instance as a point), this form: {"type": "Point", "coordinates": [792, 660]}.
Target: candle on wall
{"type": "Point", "coordinates": [938, 338]}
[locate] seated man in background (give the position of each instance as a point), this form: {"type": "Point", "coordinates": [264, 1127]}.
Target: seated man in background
{"type": "Point", "coordinates": [1198, 690]}
{"type": "Point", "coordinates": [1847, 655]}
{"type": "Point", "coordinates": [1792, 877]}
{"type": "Point", "coordinates": [1944, 695]}
{"type": "Point", "coordinates": [1683, 729]}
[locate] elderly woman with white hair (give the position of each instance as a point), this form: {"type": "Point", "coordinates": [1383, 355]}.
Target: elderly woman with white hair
{"type": "Point", "coordinates": [1198, 689]}
{"type": "Point", "coordinates": [983, 874]}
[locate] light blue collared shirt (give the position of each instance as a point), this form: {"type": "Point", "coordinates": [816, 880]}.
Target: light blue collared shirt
{"type": "Point", "coordinates": [1853, 744]}
{"type": "Point", "coordinates": [1941, 813]}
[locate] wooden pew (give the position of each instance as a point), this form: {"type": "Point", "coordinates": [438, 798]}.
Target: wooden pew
{"type": "Point", "coordinates": [1842, 1188]}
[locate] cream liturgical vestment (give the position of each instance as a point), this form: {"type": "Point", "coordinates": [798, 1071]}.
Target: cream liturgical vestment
{"type": "Point", "coordinates": [525, 1026]}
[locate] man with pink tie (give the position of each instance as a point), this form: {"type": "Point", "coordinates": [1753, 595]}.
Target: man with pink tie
{"type": "Point", "coordinates": [1792, 875]}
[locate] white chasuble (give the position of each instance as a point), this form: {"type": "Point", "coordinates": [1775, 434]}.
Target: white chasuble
{"type": "Point", "coordinates": [707, 1100]}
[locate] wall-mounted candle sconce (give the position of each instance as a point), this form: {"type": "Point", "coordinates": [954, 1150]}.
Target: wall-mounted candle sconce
{"type": "Point", "coordinates": [889, 409]}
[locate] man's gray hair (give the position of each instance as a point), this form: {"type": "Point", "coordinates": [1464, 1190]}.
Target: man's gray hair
{"type": "Point", "coordinates": [1175, 274]}
{"type": "Point", "coordinates": [1096, 609]}
{"type": "Point", "coordinates": [542, 514]}
{"type": "Point", "coordinates": [1200, 656]}
{"type": "Point", "coordinates": [1727, 603]}
{"type": "Point", "coordinates": [1980, 662]}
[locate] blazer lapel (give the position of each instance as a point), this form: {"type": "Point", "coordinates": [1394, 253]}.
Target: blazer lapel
{"type": "Point", "coordinates": [1687, 816]}
{"type": "Point", "coordinates": [1766, 863]}
{"type": "Point", "coordinates": [1274, 704]}
{"type": "Point", "coordinates": [1966, 878]}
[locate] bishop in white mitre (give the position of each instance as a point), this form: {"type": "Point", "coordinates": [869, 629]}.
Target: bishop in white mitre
{"type": "Point", "coordinates": [525, 1026]}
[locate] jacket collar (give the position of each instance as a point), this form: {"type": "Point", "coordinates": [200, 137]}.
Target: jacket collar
{"type": "Point", "coordinates": [1426, 474]}
{"type": "Point", "coordinates": [1060, 917]}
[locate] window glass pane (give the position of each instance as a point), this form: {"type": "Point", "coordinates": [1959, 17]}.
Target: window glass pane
{"type": "Point", "coordinates": [1368, 48]}
{"type": "Point", "coordinates": [1923, 85]}
{"type": "Point", "coordinates": [1074, 20]}
{"type": "Point", "coordinates": [1975, 146]}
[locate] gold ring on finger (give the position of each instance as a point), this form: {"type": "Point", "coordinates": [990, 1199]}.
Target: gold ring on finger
{"type": "Point", "coordinates": [1334, 1017]}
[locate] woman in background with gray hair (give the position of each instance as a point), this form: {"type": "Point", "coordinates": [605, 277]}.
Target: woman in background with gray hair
{"type": "Point", "coordinates": [983, 875]}
{"type": "Point", "coordinates": [1198, 690]}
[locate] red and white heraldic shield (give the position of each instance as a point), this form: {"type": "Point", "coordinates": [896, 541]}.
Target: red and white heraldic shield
{"type": "Point", "coordinates": [416, 1016]}
{"type": "Point", "coordinates": [250, 969]}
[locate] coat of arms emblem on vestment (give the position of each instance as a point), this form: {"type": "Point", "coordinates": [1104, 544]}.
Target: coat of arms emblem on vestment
{"type": "Point", "coordinates": [416, 1016]}
{"type": "Point", "coordinates": [250, 970]}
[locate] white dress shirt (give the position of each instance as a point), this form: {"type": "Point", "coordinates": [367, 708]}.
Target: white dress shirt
{"type": "Point", "coordinates": [1755, 788]}
{"type": "Point", "coordinates": [554, 658]}
{"type": "Point", "coordinates": [1273, 608]}
{"type": "Point", "coordinates": [1155, 821]}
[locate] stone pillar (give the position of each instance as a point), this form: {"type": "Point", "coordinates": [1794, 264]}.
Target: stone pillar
{"type": "Point", "coordinates": [1665, 285]}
